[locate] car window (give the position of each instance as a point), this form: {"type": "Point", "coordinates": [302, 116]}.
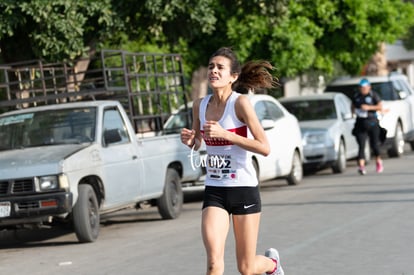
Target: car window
{"type": "Point", "coordinates": [113, 121]}
{"type": "Point", "coordinates": [397, 85]}
{"type": "Point", "coordinates": [348, 90]}
{"type": "Point", "coordinates": [384, 89]}
{"type": "Point", "coordinates": [268, 110]}
{"type": "Point", "coordinates": [275, 112]}
{"type": "Point", "coordinates": [178, 121]}
{"type": "Point", "coordinates": [403, 86]}
{"type": "Point", "coordinates": [261, 110]}
{"type": "Point", "coordinates": [344, 105]}
{"type": "Point", "coordinates": [311, 109]}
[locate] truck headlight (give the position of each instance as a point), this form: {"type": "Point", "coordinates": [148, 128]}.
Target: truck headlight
{"type": "Point", "coordinates": [47, 183]}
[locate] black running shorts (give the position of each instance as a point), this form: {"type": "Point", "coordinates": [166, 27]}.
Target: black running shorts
{"type": "Point", "coordinates": [235, 200]}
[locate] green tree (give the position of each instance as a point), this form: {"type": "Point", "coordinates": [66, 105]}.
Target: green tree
{"type": "Point", "coordinates": [303, 35]}
{"type": "Point", "coordinates": [295, 35]}
{"type": "Point", "coordinates": [55, 30]}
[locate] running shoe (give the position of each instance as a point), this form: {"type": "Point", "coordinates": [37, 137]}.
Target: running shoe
{"type": "Point", "coordinates": [380, 167]}
{"type": "Point", "coordinates": [274, 255]}
{"type": "Point", "coordinates": [361, 170]}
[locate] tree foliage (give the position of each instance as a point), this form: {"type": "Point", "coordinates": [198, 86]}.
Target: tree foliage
{"type": "Point", "coordinates": [55, 30]}
{"type": "Point", "coordinates": [295, 35]}
{"type": "Point", "coordinates": [301, 35]}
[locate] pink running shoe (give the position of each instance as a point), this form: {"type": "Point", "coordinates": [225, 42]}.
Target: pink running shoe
{"type": "Point", "coordinates": [380, 167]}
{"type": "Point", "coordinates": [274, 255]}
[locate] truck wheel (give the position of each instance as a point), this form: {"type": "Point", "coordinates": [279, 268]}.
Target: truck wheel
{"type": "Point", "coordinates": [170, 203]}
{"type": "Point", "coordinates": [86, 215]}
{"type": "Point", "coordinates": [296, 173]}
{"type": "Point", "coordinates": [340, 164]}
{"type": "Point", "coordinates": [397, 146]}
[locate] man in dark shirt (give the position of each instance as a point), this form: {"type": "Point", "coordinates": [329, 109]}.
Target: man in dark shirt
{"type": "Point", "coordinates": [365, 105]}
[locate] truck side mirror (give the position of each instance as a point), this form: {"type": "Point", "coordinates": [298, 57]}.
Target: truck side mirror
{"type": "Point", "coordinates": [112, 136]}
{"type": "Point", "coordinates": [346, 116]}
{"type": "Point", "coordinates": [402, 94]}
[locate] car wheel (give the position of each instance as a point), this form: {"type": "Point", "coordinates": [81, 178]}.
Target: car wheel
{"type": "Point", "coordinates": [397, 146]}
{"type": "Point", "coordinates": [340, 164]}
{"type": "Point", "coordinates": [296, 173]}
{"type": "Point", "coordinates": [170, 203]}
{"type": "Point", "coordinates": [86, 219]}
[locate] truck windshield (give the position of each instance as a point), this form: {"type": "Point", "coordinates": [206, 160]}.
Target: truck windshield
{"type": "Point", "coordinates": [384, 89]}
{"type": "Point", "coordinates": [59, 126]}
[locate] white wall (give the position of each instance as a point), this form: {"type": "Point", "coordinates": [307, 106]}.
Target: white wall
{"type": "Point", "coordinates": [297, 86]}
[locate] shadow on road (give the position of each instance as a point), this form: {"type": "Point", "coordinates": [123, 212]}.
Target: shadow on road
{"type": "Point", "coordinates": [42, 237]}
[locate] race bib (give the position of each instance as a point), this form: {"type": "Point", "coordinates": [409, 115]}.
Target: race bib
{"type": "Point", "coordinates": [221, 167]}
{"type": "Point", "coordinates": [361, 113]}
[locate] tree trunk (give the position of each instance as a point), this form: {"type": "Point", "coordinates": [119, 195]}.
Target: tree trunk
{"type": "Point", "coordinates": [377, 65]}
{"type": "Point", "coordinates": [79, 70]}
{"type": "Point", "coordinates": [199, 83]}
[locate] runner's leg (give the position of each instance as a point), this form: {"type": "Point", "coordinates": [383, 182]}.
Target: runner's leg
{"type": "Point", "coordinates": [215, 227]}
{"type": "Point", "coordinates": [361, 138]}
{"type": "Point", "coordinates": [246, 229]}
{"type": "Point", "coordinates": [374, 141]}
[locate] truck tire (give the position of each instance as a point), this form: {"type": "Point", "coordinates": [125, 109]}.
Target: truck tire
{"type": "Point", "coordinates": [296, 173]}
{"type": "Point", "coordinates": [86, 215]}
{"type": "Point", "coordinates": [397, 146]}
{"type": "Point", "coordinates": [170, 203]}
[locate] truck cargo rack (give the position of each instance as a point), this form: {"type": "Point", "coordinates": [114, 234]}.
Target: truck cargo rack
{"type": "Point", "coordinates": [150, 86]}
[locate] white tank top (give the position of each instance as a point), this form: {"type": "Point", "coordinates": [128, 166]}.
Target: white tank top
{"type": "Point", "coordinates": [227, 164]}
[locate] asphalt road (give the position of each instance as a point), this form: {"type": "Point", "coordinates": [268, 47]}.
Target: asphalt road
{"type": "Point", "coordinates": [328, 225]}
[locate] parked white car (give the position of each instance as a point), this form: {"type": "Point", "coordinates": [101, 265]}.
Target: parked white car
{"type": "Point", "coordinates": [398, 102]}
{"type": "Point", "coordinates": [326, 123]}
{"type": "Point", "coordinates": [283, 132]}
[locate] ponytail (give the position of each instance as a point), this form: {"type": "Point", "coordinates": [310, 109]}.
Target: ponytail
{"type": "Point", "coordinates": [255, 75]}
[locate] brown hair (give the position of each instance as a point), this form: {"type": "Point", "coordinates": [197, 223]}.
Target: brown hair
{"type": "Point", "coordinates": [253, 74]}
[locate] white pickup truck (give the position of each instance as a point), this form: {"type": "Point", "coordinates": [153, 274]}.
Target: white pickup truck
{"type": "Point", "coordinates": [75, 161]}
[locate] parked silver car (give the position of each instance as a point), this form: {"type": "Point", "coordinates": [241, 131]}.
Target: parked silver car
{"type": "Point", "coordinates": [326, 122]}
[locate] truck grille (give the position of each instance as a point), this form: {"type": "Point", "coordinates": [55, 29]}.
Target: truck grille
{"type": "Point", "coordinates": [28, 205]}
{"type": "Point", "coordinates": [4, 187]}
{"type": "Point", "coordinates": [17, 187]}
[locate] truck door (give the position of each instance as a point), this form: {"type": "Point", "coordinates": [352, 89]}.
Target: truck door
{"type": "Point", "coordinates": [122, 167]}
{"type": "Point", "coordinates": [409, 98]}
